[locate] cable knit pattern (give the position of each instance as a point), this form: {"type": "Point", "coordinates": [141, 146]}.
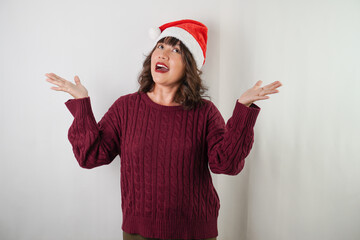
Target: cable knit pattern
{"type": "Point", "coordinates": [166, 155]}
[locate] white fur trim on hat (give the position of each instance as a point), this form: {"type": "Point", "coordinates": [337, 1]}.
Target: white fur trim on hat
{"type": "Point", "coordinates": [188, 40]}
{"type": "Point", "coordinates": [154, 33]}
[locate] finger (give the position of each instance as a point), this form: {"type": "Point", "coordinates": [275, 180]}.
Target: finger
{"type": "Point", "coordinates": [276, 84]}
{"type": "Point", "coordinates": [272, 92]}
{"type": "Point", "coordinates": [262, 98]}
{"type": "Point", "coordinates": [77, 80]}
{"type": "Point", "coordinates": [56, 88]}
{"type": "Point", "coordinates": [53, 81]}
{"type": "Point", "coordinates": [273, 85]}
{"type": "Point", "coordinates": [49, 75]}
{"type": "Point", "coordinates": [52, 77]}
{"type": "Point", "coordinates": [56, 77]}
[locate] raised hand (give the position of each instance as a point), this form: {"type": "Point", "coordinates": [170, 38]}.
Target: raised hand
{"type": "Point", "coordinates": [77, 91]}
{"type": "Point", "coordinates": [259, 93]}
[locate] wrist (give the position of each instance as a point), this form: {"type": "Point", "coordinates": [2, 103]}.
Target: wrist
{"type": "Point", "coordinates": [244, 103]}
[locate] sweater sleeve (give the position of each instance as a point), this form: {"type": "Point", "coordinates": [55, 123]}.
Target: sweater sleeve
{"type": "Point", "coordinates": [228, 145]}
{"type": "Point", "coordinates": [94, 144]}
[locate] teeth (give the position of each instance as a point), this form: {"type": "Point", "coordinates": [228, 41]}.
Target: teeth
{"type": "Point", "coordinates": [160, 65]}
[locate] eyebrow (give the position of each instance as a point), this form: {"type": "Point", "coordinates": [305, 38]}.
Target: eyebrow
{"type": "Point", "coordinates": [176, 45]}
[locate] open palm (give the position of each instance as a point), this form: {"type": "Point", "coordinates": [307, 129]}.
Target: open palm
{"type": "Point", "coordinates": [76, 90]}
{"type": "Point", "coordinates": [259, 93]}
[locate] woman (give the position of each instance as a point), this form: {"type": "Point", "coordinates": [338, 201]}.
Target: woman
{"type": "Point", "coordinates": [167, 137]}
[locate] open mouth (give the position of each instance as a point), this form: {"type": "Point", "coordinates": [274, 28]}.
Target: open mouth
{"type": "Point", "coordinates": [161, 67]}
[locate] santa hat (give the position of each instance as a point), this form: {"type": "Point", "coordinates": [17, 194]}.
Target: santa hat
{"type": "Point", "coordinates": [191, 33]}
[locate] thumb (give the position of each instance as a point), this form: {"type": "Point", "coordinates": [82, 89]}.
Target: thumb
{"type": "Point", "coordinates": [258, 83]}
{"type": "Point", "coordinates": [77, 80]}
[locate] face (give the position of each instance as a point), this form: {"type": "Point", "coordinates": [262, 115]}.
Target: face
{"type": "Point", "coordinates": [167, 66]}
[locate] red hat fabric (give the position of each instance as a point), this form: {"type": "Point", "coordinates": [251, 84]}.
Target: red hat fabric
{"type": "Point", "coordinates": [190, 32]}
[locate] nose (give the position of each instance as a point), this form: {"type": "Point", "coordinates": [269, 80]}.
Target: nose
{"type": "Point", "coordinates": [164, 54]}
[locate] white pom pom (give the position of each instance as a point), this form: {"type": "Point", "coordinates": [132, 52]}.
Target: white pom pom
{"type": "Point", "coordinates": [154, 33]}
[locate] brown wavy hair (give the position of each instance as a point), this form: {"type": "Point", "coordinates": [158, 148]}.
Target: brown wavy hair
{"type": "Point", "coordinates": [191, 90]}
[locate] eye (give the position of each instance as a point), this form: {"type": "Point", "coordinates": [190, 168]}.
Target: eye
{"type": "Point", "coordinates": [177, 50]}
{"type": "Point", "coordinates": [160, 46]}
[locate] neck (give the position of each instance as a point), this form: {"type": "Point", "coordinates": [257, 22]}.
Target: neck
{"type": "Point", "coordinates": [163, 96]}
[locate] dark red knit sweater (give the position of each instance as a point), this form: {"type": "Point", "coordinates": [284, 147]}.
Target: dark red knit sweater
{"type": "Point", "coordinates": [165, 155]}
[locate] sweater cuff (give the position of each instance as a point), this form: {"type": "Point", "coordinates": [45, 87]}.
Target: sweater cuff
{"type": "Point", "coordinates": [79, 107]}
{"type": "Point", "coordinates": [245, 115]}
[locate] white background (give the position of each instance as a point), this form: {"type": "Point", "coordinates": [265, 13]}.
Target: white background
{"type": "Point", "coordinates": [302, 177]}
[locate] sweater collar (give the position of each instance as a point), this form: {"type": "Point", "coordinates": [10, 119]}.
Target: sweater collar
{"type": "Point", "coordinates": [160, 107]}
